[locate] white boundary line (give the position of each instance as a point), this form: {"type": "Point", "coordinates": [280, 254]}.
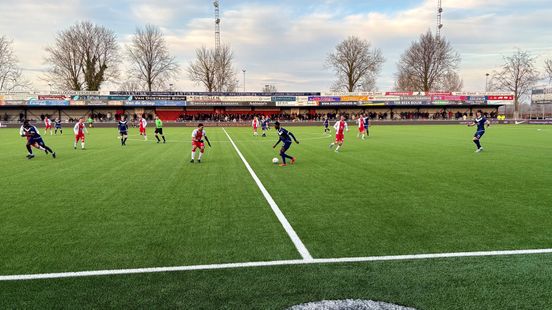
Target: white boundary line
{"type": "Point", "coordinates": [287, 226]}
{"type": "Point", "coordinates": [269, 263]}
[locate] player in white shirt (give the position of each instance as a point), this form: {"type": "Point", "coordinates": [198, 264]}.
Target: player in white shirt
{"type": "Point", "coordinates": [361, 128]}
{"type": "Point", "coordinates": [48, 125]}
{"type": "Point", "coordinates": [255, 125]}
{"type": "Point", "coordinates": [340, 128]}
{"type": "Point", "coordinates": [197, 142]}
{"type": "Point", "coordinates": [79, 130]}
{"type": "Point", "coordinates": [143, 125]}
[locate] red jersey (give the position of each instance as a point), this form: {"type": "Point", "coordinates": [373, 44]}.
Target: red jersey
{"type": "Point", "coordinates": [255, 123]}
{"type": "Point", "coordinates": [79, 129]}
{"type": "Point", "coordinates": [340, 127]}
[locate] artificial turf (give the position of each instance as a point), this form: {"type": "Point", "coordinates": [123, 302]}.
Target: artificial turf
{"type": "Point", "coordinates": [405, 190]}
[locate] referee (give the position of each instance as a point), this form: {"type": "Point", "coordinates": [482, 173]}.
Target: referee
{"type": "Point", "coordinates": [159, 129]}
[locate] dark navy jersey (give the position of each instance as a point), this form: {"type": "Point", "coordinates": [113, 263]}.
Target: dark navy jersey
{"type": "Point", "coordinates": [366, 122]}
{"type": "Point", "coordinates": [122, 126]}
{"type": "Point", "coordinates": [30, 132]}
{"type": "Point", "coordinates": [326, 123]}
{"type": "Point", "coordinates": [285, 136]}
{"type": "Point", "coordinates": [264, 124]}
{"type": "Point", "coordinates": [480, 123]}
{"type": "Point", "coordinates": [58, 124]}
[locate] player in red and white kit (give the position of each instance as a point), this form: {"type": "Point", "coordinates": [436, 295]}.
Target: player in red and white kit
{"type": "Point", "coordinates": [197, 142]}
{"type": "Point", "coordinates": [79, 131]}
{"type": "Point", "coordinates": [361, 128]}
{"type": "Point", "coordinates": [255, 125]}
{"type": "Point", "coordinates": [340, 128]}
{"type": "Point", "coordinates": [48, 125]}
{"type": "Point", "coordinates": [143, 125]}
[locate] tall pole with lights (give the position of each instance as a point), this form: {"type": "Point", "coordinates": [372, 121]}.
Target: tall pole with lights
{"type": "Point", "coordinates": [243, 70]}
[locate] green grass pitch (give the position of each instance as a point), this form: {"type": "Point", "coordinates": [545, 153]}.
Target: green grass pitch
{"type": "Point", "coordinates": [405, 190]}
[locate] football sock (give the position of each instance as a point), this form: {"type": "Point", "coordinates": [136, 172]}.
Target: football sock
{"type": "Point", "coordinates": [477, 143]}
{"type": "Point", "coordinates": [193, 155]}
{"type": "Point", "coordinates": [29, 149]}
{"type": "Point", "coordinates": [163, 138]}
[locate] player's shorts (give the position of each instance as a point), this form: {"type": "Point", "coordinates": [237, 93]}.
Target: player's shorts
{"type": "Point", "coordinates": [254, 127]}
{"type": "Point", "coordinates": [48, 127]}
{"type": "Point", "coordinates": [339, 137]}
{"type": "Point", "coordinates": [287, 145]}
{"type": "Point", "coordinates": [79, 137]}
{"type": "Point", "coordinates": [196, 144]}
{"type": "Point", "coordinates": [58, 126]}
{"type": "Point", "coordinates": [123, 133]}
{"type": "Point", "coordinates": [142, 130]}
{"type": "Point", "coordinates": [159, 131]}
{"type": "Point", "coordinates": [361, 129]}
{"type": "Point", "coordinates": [33, 141]}
{"type": "Point", "coordinates": [366, 128]}
{"type": "Point", "coordinates": [479, 134]}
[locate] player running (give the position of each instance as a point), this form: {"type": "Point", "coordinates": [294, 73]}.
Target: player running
{"type": "Point", "coordinates": [285, 138]}
{"type": "Point", "coordinates": [197, 142]}
{"type": "Point", "coordinates": [264, 125]}
{"type": "Point", "coordinates": [159, 129]}
{"type": "Point", "coordinates": [123, 130]}
{"type": "Point", "coordinates": [143, 125]}
{"type": "Point", "coordinates": [367, 125]}
{"type": "Point", "coordinates": [480, 121]}
{"type": "Point", "coordinates": [34, 139]}
{"type": "Point", "coordinates": [48, 125]}
{"type": "Point", "coordinates": [326, 125]}
{"type": "Point", "coordinates": [340, 128]}
{"type": "Point", "coordinates": [255, 125]}
{"type": "Point", "coordinates": [57, 126]}
{"type": "Point", "coordinates": [79, 130]}
{"type": "Point", "coordinates": [361, 128]}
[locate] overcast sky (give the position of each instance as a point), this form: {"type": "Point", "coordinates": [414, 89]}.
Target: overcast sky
{"type": "Point", "coordinates": [285, 42]}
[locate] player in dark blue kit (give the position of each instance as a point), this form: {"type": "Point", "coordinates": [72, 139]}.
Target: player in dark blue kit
{"type": "Point", "coordinates": [285, 138]}
{"type": "Point", "coordinates": [264, 125]}
{"type": "Point", "coordinates": [123, 130]}
{"type": "Point", "coordinates": [326, 125]}
{"type": "Point", "coordinates": [367, 125]}
{"type": "Point", "coordinates": [34, 139]}
{"type": "Point", "coordinates": [480, 122]}
{"type": "Point", "coordinates": [57, 126]}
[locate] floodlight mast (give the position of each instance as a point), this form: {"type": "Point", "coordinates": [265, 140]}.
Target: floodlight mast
{"type": "Point", "coordinates": [439, 19]}
{"type": "Point", "coordinates": [216, 4]}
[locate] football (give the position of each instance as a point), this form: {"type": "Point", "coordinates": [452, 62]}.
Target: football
{"type": "Point", "coordinates": [275, 160]}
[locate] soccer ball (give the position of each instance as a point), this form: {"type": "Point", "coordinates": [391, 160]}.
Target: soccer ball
{"type": "Point", "coordinates": [275, 160]}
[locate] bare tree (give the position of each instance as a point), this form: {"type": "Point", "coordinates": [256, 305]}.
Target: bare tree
{"type": "Point", "coordinates": [131, 85]}
{"type": "Point", "coordinates": [518, 74]}
{"type": "Point", "coordinates": [356, 65]}
{"type": "Point", "coordinates": [548, 68]}
{"type": "Point", "coordinates": [11, 77]}
{"type": "Point", "coordinates": [269, 88]}
{"type": "Point", "coordinates": [214, 69]}
{"type": "Point", "coordinates": [451, 82]}
{"type": "Point", "coordinates": [426, 64]}
{"type": "Point", "coordinates": [150, 60]}
{"type": "Point", "coordinates": [83, 56]}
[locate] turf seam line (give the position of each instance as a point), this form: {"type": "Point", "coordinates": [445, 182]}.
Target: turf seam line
{"type": "Point", "coordinates": [314, 261]}
{"type": "Point", "coordinates": [301, 248]}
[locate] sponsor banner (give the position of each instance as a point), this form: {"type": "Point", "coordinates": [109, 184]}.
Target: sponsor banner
{"type": "Point", "coordinates": [169, 103]}
{"type": "Point", "coordinates": [137, 103]}
{"type": "Point", "coordinates": [2, 102]}
{"type": "Point", "coordinates": [414, 102]}
{"type": "Point", "coordinates": [285, 98]}
{"type": "Point", "coordinates": [449, 98]}
{"type": "Point", "coordinates": [155, 98]}
{"type": "Point", "coordinates": [75, 93]}
{"type": "Point", "coordinates": [217, 94]}
{"type": "Point", "coordinates": [415, 98]}
{"type": "Point", "coordinates": [89, 97]}
{"type": "Point", "coordinates": [16, 102]}
{"type": "Point", "coordinates": [115, 103]}
{"type": "Point", "coordinates": [362, 94]}
{"type": "Point", "coordinates": [384, 98]}
{"type": "Point", "coordinates": [354, 98]}
{"type": "Point", "coordinates": [324, 99]}
{"type": "Point", "coordinates": [77, 103]}
{"type": "Point", "coordinates": [500, 98]}
{"type": "Point", "coordinates": [215, 104]}
{"type": "Point", "coordinates": [302, 99]}
{"type": "Point", "coordinates": [439, 94]}
{"type": "Point", "coordinates": [296, 104]}
{"type": "Point", "coordinates": [442, 102]}
{"type": "Point", "coordinates": [50, 103]}
{"type": "Point", "coordinates": [53, 97]}
{"type": "Point", "coordinates": [95, 102]}
{"type": "Point", "coordinates": [207, 99]}
{"type": "Point", "coordinates": [373, 103]}
{"type": "Point", "coordinates": [245, 98]}
{"type": "Point", "coordinates": [399, 93]}
{"type": "Point", "coordinates": [325, 104]}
